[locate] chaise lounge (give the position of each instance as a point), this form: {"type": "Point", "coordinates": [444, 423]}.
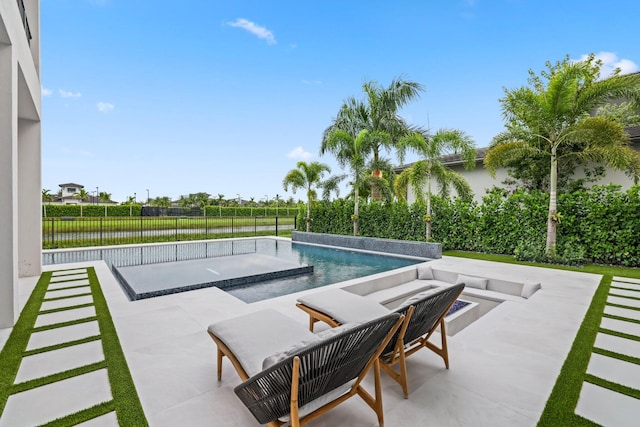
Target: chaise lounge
{"type": "Point", "coordinates": [291, 375]}
{"type": "Point", "coordinates": [423, 313]}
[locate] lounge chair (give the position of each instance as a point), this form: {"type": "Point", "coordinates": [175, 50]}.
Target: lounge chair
{"type": "Point", "coordinates": [291, 375]}
{"type": "Point", "coordinates": [423, 313]}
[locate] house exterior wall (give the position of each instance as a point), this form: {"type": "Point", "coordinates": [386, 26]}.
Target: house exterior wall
{"type": "Point", "coordinates": [20, 151]}
{"type": "Point", "coordinates": [481, 180]}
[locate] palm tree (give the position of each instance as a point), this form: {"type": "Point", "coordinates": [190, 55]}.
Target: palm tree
{"type": "Point", "coordinates": [351, 153]}
{"type": "Point", "coordinates": [220, 199]}
{"type": "Point", "coordinates": [379, 116]}
{"type": "Point", "coordinates": [104, 197]}
{"type": "Point", "coordinates": [81, 195]}
{"type": "Point", "coordinates": [309, 176]}
{"type": "Point", "coordinates": [47, 197]}
{"type": "Point", "coordinates": [431, 148]}
{"type": "Point", "coordinates": [552, 117]}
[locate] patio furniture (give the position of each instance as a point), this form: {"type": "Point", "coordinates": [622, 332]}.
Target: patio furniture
{"type": "Point", "coordinates": [423, 313]}
{"type": "Point", "coordinates": [291, 375]}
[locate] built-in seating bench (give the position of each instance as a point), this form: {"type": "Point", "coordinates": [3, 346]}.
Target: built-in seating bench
{"type": "Point", "coordinates": [391, 290]}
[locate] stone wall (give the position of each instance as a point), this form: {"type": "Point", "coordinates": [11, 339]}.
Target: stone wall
{"type": "Point", "coordinates": [401, 247]}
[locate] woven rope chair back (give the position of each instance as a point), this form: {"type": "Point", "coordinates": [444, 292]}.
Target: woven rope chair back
{"type": "Point", "coordinates": [324, 366]}
{"type": "Point", "coordinates": [426, 314]}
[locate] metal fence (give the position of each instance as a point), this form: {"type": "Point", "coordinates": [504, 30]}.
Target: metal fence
{"type": "Point", "coordinates": [71, 232]}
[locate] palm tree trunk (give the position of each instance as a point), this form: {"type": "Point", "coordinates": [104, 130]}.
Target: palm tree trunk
{"type": "Point", "coordinates": [428, 223]}
{"type": "Point", "coordinates": [552, 224]}
{"type": "Point", "coordinates": [356, 209]}
{"type": "Point", "coordinates": [376, 173]}
{"type": "Point", "coordinates": [308, 211]}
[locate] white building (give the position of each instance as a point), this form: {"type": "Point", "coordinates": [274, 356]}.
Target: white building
{"type": "Point", "coordinates": [20, 114]}
{"type": "Point", "coordinates": [481, 180]}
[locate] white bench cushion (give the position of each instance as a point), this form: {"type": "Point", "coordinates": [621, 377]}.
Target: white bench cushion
{"type": "Point", "coordinates": [404, 290]}
{"type": "Point", "coordinates": [255, 336]}
{"type": "Point", "coordinates": [343, 306]}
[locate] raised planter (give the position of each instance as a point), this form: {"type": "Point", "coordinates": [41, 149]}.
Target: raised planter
{"type": "Point", "coordinates": [400, 247]}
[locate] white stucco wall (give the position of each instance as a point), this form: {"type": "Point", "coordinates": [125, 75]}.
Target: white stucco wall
{"type": "Point", "coordinates": [20, 151]}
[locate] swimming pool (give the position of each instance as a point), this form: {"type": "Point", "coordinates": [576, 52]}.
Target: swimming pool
{"type": "Point", "coordinates": [330, 265]}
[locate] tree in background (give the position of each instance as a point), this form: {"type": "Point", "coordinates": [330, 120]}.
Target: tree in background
{"type": "Point", "coordinates": [161, 202]}
{"type": "Point", "coordinates": [431, 148]}
{"type": "Point", "coordinates": [378, 115]}
{"type": "Point", "coordinates": [82, 196]}
{"type": "Point", "coordinates": [308, 176]}
{"type": "Point", "coordinates": [552, 118]}
{"type": "Point", "coordinates": [105, 197]}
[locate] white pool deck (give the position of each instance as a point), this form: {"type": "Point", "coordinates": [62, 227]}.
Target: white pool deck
{"type": "Point", "coordinates": [503, 366]}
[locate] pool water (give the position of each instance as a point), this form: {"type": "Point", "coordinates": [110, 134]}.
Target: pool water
{"type": "Point", "coordinates": [330, 266]}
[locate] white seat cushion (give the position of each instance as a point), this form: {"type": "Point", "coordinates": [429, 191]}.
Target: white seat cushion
{"type": "Point", "coordinates": [402, 291]}
{"type": "Point", "coordinates": [255, 336]}
{"type": "Point", "coordinates": [343, 306]}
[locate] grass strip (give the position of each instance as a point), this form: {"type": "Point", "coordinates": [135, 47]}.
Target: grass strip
{"type": "Point", "coordinates": [11, 354]}
{"type": "Point", "coordinates": [627, 307]}
{"type": "Point", "coordinates": [58, 376]}
{"type": "Point", "coordinates": [84, 415]}
{"type": "Point", "coordinates": [624, 296]}
{"type": "Point", "coordinates": [127, 403]}
{"type": "Point", "coordinates": [67, 288]}
{"type": "Point", "coordinates": [619, 334]}
{"type": "Point", "coordinates": [624, 319]}
{"type": "Point", "coordinates": [65, 324]}
{"type": "Point", "coordinates": [71, 307]}
{"type": "Point", "coordinates": [587, 268]}
{"type": "Point", "coordinates": [618, 388]}
{"type": "Point", "coordinates": [68, 296]}
{"type": "Point", "coordinates": [61, 345]}
{"type": "Point", "coordinates": [615, 355]}
{"type": "Point", "coordinates": [561, 405]}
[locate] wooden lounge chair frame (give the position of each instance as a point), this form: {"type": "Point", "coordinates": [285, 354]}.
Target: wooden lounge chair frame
{"type": "Point", "coordinates": [282, 389]}
{"type": "Point", "coordinates": [421, 320]}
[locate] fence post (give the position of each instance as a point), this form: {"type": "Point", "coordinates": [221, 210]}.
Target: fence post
{"type": "Point", "coordinates": [176, 233]}
{"type": "Point", "coordinates": [255, 225]}
{"type": "Point", "coordinates": [53, 233]}
{"type": "Point", "coordinates": [100, 231]}
{"type": "Point", "coordinates": [276, 225]}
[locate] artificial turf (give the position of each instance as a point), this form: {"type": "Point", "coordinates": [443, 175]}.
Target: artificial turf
{"type": "Point", "coordinates": [125, 402]}
{"type": "Point", "coordinates": [561, 404]}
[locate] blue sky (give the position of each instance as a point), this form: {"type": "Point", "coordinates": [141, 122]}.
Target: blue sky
{"type": "Point", "coordinates": [226, 97]}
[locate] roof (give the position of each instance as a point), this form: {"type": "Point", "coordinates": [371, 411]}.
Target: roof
{"type": "Point", "coordinates": [451, 159]}
{"type": "Point", "coordinates": [71, 184]}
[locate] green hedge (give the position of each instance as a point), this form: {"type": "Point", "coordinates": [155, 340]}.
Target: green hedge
{"type": "Point", "coordinates": [603, 223]}
{"type": "Point", "coordinates": [57, 211]}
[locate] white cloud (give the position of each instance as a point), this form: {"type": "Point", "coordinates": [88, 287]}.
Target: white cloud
{"type": "Point", "coordinates": [253, 28]}
{"type": "Point", "coordinates": [299, 153]}
{"type": "Point", "coordinates": [105, 107]}
{"type": "Point", "coordinates": [610, 62]}
{"type": "Point", "coordinates": [46, 92]}
{"type": "Point", "coordinates": [67, 94]}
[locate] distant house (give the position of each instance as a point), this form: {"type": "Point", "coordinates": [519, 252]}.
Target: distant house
{"type": "Point", "coordinates": [481, 180]}
{"type": "Point", "coordinates": [67, 196]}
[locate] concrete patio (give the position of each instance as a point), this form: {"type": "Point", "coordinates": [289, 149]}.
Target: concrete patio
{"type": "Point", "coordinates": [503, 366]}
